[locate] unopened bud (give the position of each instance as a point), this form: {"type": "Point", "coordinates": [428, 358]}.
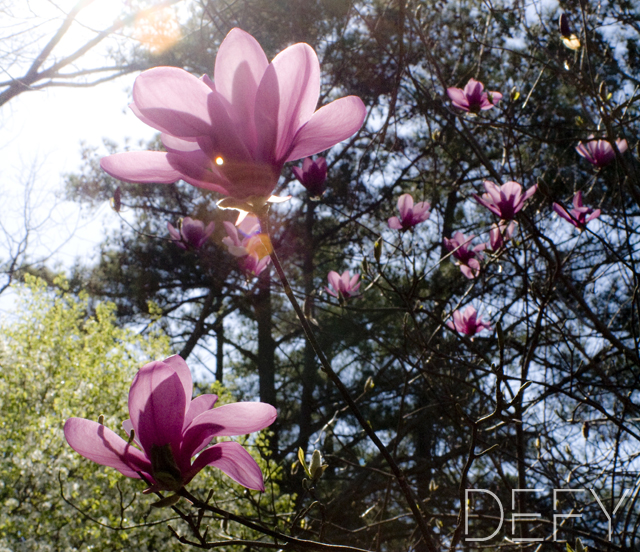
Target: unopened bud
{"type": "Point", "coordinates": [585, 430]}
{"type": "Point", "coordinates": [316, 469]}
{"type": "Point", "coordinates": [377, 249]}
{"type": "Point", "coordinates": [565, 28]}
{"type": "Point", "coordinates": [116, 203]}
{"type": "Point", "coordinates": [369, 384]}
{"type": "Point", "coordinates": [365, 263]}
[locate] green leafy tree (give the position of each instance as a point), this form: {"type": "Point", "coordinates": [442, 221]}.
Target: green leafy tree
{"type": "Point", "coordinates": [60, 360]}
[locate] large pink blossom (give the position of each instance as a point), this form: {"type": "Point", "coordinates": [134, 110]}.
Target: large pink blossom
{"type": "Point", "coordinates": [506, 200]}
{"type": "Point", "coordinates": [191, 233]}
{"type": "Point", "coordinates": [468, 258]}
{"type": "Point", "coordinates": [410, 214]}
{"type": "Point", "coordinates": [600, 152]}
{"type": "Point", "coordinates": [169, 429]}
{"type": "Point", "coordinates": [233, 135]}
{"type": "Point", "coordinates": [343, 285]}
{"type": "Point", "coordinates": [468, 322]}
{"type": "Point", "coordinates": [473, 98]}
{"type": "Point", "coordinates": [580, 215]}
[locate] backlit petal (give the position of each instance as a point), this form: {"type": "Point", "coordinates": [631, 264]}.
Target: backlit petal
{"type": "Point", "coordinates": [143, 167]}
{"type": "Point", "coordinates": [101, 445]}
{"type": "Point", "coordinates": [328, 126]}
{"type": "Point", "coordinates": [200, 404]}
{"type": "Point", "coordinates": [286, 99]}
{"type": "Point", "coordinates": [226, 421]}
{"type": "Point", "coordinates": [174, 100]}
{"type": "Point", "coordinates": [231, 458]}
{"type": "Point", "coordinates": [158, 400]}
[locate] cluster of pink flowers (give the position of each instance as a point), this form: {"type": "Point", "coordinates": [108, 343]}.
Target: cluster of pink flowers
{"type": "Point", "coordinates": [167, 428]}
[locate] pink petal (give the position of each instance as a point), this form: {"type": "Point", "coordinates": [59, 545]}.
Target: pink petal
{"type": "Point", "coordinates": [174, 100]}
{"type": "Point", "coordinates": [226, 138]}
{"type": "Point", "coordinates": [467, 272]}
{"type": "Point", "coordinates": [622, 145]}
{"type": "Point", "coordinates": [405, 205]}
{"type": "Point", "coordinates": [173, 232]}
{"type": "Point", "coordinates": [394, 223]}
{"type": "Point", "coordinates": [593, 215]}
{"type": "Point", "coordinates": [530, 192]}
{"type": "Point", "coordinates": [158, 400]}
{"type": "Point", "coordinates": [200, 404]}
{"type": "Point", "coordinates": [173, 144]}
{"type": "Point", "coordinates": [493, 190]}
{"type": "Point", "coordinates": [226, 421]}
{"type": "Point", "coordinates": [458, 98]}
{"type": "Point", "coordinates": [143, 167]}
{"type": "Point", "coordinates": [328, 126]}
{"type": "Point", "coordinates": [286, 99]}
{"type": "Point", "coordinates": [231, 458]}
{"type": "Point", "coordinates": [334, 279]}
{"type": "Point", "coordinates": [101, 445]}
{"type": "Point", "coordinates": [487, 203]}
{"type": "Point", "coordinates": [577, 200]}
{"type": "Point", "coordinates": [240, 66]}
{"type": "Point", "coordinates": [192, 170]}
{"type": "Point", "coordinates": [298, 172]}
{"type": "Point", "coordinates": [562, 212]}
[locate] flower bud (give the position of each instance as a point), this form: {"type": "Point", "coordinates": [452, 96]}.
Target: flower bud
{"type": "Point", "coordinates": [316, 469]}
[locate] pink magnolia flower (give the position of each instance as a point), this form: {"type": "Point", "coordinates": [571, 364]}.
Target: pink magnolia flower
{"type": "Point", "coordinates": [580, 215]}
{"type": "Point", "coordinates": [192, 234]}
{"type": "Point", "coordinates": [313, 176]}
{"type": "Point", "coordinates": [253, 249]}
{"type": "Point", "coordinates": [600, 152]}
{"type": "Point", "coordinates": [410, 214]}
{"type": "Point", "coordinates": [234, 136]}
{"type": "Point", "coordinates": [467, 322]}
{"type": "Point", "coordinates": [343, 286]}
{"type": "Point", "coordinates": [500, 234]}
{"type": "Point", "coordinates": [468, 259]}
{"type": "Point", "coordinates": [473, 98]}
{"type": "Point", "coordinates": [167, 429]}
{"type": "Point", "coordinates": [506, 200]}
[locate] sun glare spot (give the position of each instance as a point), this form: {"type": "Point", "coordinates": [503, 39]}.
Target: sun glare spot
{"type": "Point", "coordinates": [219, 161]}
{"type": "Point", "coordinates": [158, 29]}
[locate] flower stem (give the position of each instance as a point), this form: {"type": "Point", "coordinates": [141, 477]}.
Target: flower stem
{"type": "Point", "coordinates": [335, 379]}
{"type": "Point", "coordinates": [292, 542]}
